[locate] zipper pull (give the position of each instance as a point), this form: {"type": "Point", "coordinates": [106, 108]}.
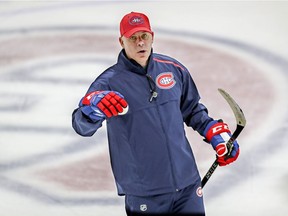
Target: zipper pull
{"type": "Point", "coordinates": [154, 95]}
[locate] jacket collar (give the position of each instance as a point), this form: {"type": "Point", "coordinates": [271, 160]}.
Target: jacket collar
{"type": "Point", "coordinates": [132, 65]}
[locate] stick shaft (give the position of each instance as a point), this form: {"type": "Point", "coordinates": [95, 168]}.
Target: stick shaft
{"type": "Point", "coordinates": [241, 122]}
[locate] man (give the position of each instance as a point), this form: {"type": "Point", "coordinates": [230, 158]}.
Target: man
{"type": "Point", "coordinates": [146, 98]}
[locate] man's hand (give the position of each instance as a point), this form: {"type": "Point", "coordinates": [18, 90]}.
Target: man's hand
{"type": "Point", "coordinates": [103, 104]}
{"type": "Point", "coordinates": [217, 133]}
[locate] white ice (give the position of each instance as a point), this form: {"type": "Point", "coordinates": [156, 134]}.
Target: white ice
{"type": "Point", "coordinates": [36, 128]}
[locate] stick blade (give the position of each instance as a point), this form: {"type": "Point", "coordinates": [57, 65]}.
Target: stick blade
{"type": "Point", "coordinates": [238, 113]}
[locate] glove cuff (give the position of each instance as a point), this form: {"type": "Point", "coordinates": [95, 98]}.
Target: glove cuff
{"type": "Point", "coordinates": [93, 114]}
{"type": "Point", "coordinates": [214, 128]}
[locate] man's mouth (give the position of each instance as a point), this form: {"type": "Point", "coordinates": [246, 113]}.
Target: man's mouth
{"type": "Point", "coordinates": [142, 51]}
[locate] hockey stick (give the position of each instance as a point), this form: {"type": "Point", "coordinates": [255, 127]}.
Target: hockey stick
{"type": "Point", "coordinates": [241, 122]}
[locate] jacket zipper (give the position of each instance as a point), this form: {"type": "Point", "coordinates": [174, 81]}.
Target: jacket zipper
{"type": "Point", "coordinates": [152, 86]}
{"type": "Point", "coordinates": [154, 95]}
{"type": "Point", "coordinates": [169, 151]}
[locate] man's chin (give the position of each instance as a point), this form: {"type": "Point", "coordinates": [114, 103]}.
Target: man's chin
{"type": "Point", "coordinates": [142, 60]}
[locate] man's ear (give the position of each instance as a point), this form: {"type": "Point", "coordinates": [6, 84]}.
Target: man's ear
{"type": "Point", "coordinates": [121, 42]}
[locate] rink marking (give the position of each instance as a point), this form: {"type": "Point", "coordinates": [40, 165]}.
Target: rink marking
{"type": "Point", "coordinates": [277, 61]}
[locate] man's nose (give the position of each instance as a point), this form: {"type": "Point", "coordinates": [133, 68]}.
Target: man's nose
{"type": "Point", "coordinates": [140, 43]}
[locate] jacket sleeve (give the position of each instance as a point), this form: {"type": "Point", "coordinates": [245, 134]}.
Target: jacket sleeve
{"type": "Point", "coordinates": [195, 114]}
{"type": "Point", "coordinates": [82, 125]}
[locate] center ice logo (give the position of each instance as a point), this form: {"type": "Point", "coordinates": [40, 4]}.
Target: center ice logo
{"type": "Point", "coordinates": [165, 80]}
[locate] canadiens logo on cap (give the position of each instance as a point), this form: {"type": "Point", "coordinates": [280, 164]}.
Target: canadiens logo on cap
{"type": "Point", "coordinates": [134, 22]}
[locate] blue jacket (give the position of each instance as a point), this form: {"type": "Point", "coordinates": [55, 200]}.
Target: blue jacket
{"type": "Point", "coordinates": [149, 151]}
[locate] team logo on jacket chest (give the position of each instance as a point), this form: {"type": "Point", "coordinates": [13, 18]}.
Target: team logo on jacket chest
{"type": "Point", "coordinates": [165, 80]}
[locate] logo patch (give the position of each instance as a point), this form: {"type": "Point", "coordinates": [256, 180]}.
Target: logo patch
{"type": "Point", "coordinates": [143, 207]}
{"type": "Point", "coordinates": [135, 20]}
{"type": "Point", "coordinates": [165, 80]}
{"type": "Point", "coordinates": [199, 192]}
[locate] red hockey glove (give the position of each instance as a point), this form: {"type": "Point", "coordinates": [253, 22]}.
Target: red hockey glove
{"type": "Point", "coordinates": [103, 104]}
{"type": "Point", "coordinates": [218, 133]}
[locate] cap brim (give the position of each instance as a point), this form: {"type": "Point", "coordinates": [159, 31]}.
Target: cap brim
{"type": "Point", "coordinates": [137, 29]}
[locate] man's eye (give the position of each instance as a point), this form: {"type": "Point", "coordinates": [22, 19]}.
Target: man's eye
{"type": "Point", "coordinates": [144, 36]}
{"type": "Point", "coordinates": [133, 38]}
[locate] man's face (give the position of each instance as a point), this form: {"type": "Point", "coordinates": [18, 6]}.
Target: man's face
{"type": "Point", "coordinates": [138, 47]}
